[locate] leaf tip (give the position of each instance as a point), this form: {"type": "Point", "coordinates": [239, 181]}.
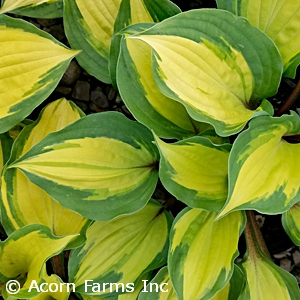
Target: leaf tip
{"type": "Point", "coordinates": [222, 213]}
{"type": "Point", "coordinates": [76, 52]}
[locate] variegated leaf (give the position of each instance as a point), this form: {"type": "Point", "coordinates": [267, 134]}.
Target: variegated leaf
{"type": "Point", "coordinates": [291, 223]}
{"type": "Point", "coordinates": [265, 278]}
{"type": "Point", "coordinates": [96, 21]}
{"type": "Point", "coordinates": [85, 297]}
{"type": "Point", "coordinates": [22, 201]}
{"type": "Point", "coordinates": [101, 166]}
{"type": "Point", "coordinates": [220, 67]}
{"type": "Point", "coordinates": [50, 284]}
{"type": "Point", "coordinates": [166, 117]}
{"type": "Point", "coordinates": [89, 26]}
{"type": "Point", "coordinates": [159, 288]}
{"type": "Point", "coordinates": [24, 253]}
{"type": "Point", "coordinates": [280, 20]}
{"type": "Point", "coordinates": [233, 288]}
{"type": "Point", "coordinates": [142, 15]}
{"type": "Point", "coordinates": [119, 251]}
{"type": "Point", "coordinates": [144, 11]}
{"type": "Point", "coordinates": [31, 65]}
{"type": "Point", "coordinates": [195, 171]}
{"type": "Point", "coordinates": [263, 166]}
{"type": "Point", "coordinates": [215, 139]}
{"type": "Point", "coordinates": [15, 131]}
{"type": "Point", "coordinates": [137, 287]}
{"type": "Point", "coordinates": [131, 293]}
{"type": "Point", "coordinates": [55, 116]}
{"type": "Point", "coordinates": [245, 294]}
{"type": "Point", "coordinates": [196, 241]}
{"type": "Point", "coordinates": [115, 44]}
{"type": "Point", "coordinates": [34, 8]}
{"type": "Point", "coordinates": [5, 147]}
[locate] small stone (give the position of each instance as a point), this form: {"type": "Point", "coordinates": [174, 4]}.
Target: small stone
{"type": "Point", "coordinates": [125, 109]}
{"type": "Point", "coordinates": [95, 108]}
{"type": "Point", "coordinates": [281, 255]}
{"type": "Point", "coordinates": [118, 99]}
{"type": "Point", "coordinates": [35, 23]}
{"type": "Point", "coordinates": [296, 272]}
{"type": "Point", "coordinates": [81, 91]}
{"type": "Point", "coordinates": [47, 22]}
{"type": "Point", "coordinates": [82, 105]}
{"type": "Point", "coordinates": [111, 94]}
{"type": "Point", "coordinates": [118, 109]}
{"type": "Point", "coordinates": [296, 257]}
{"type": "Point", "coordinates": [260, 220]}
{"type": "Point", "coordinates": [16, 15]}
{"type": "Point", "coordinates": [238, 260]}
{"type": "Point", "coordinates": [46, 29]}
{"type": "Point", "coordinates": [98, 97]}
{"type": "Point", "coordinates": [289, 82]}
{"type": "Point", "coordinates": [158, 194]}
{"type": "Point", "coordinates": [63, 90]}
{"type": "Point", "coordinates": [58, 32]}
{"type": "Point", "coordinates": [286, 264]}
{"type": "Point", "coordinates": [72, 74]}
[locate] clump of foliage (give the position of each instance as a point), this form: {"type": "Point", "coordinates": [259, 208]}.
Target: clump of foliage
{"type": "Point", "coordinates": [81, 186]}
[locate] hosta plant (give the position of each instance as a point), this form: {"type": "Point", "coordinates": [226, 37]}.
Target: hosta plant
{"type": "Point", "coordinates": [77, 190]}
